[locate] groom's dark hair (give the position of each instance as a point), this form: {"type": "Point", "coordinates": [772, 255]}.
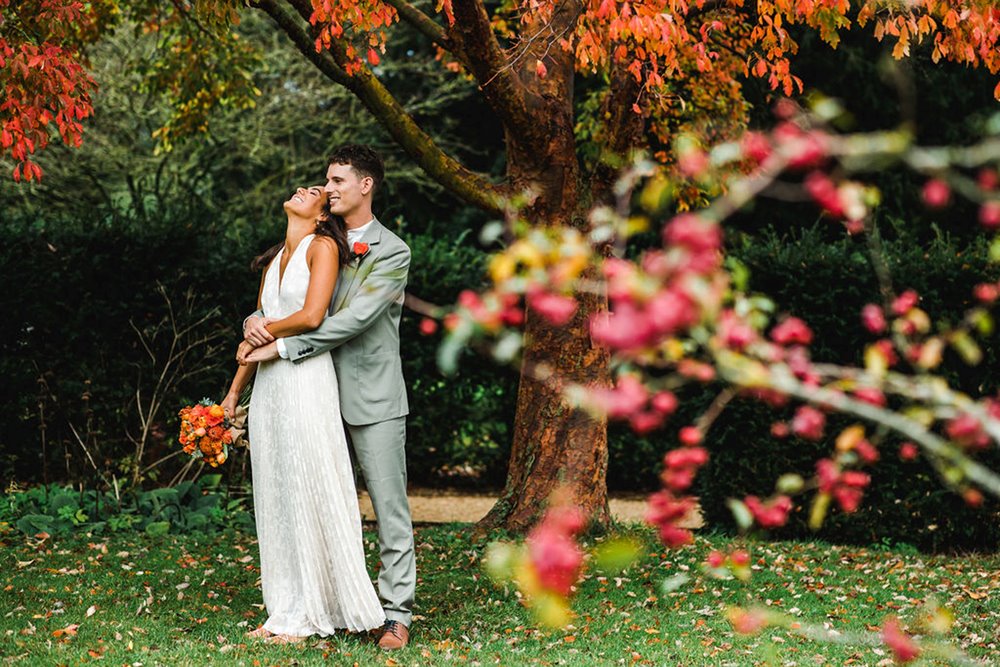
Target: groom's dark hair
{"type": "Point", "coordinates": [363, 159]}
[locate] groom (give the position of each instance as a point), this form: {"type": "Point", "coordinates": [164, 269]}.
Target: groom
{"type": "Point", "coordinates": [362, 333]}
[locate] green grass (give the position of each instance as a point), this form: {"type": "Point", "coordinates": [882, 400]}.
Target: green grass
{"type": "Point", "coordinates": [183, 600]}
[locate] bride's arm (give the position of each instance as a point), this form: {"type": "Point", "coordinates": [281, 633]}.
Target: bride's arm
{"type": "Point", "coordinates": [244, 371]}
{"type": "Point", "coordinates": [322, 257]}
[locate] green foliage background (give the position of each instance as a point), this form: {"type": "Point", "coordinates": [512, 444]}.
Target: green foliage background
{"type": "Point", "coordinates": [84, 253]}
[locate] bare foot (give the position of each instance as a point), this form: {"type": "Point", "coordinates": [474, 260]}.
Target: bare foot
{"type": "Point", "coordinates": [260, 633]}
{"type": "Point", "coordinates": [284, 639]}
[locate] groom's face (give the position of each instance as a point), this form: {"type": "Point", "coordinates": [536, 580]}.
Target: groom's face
{"type": "Point", "coordinates": [345, 188]}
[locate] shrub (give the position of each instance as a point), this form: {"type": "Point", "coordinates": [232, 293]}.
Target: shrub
{"type": "Point", "coordinates": [190, 507]}
{"type": "Point", "coordinates": [827, 283]}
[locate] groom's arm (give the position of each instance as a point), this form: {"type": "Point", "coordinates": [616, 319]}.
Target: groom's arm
{"type": "Point", "coordinates": [384, 285]}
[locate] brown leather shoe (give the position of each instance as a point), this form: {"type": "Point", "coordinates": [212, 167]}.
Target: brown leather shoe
{"type": "Point", "coordinates": [395, 636]}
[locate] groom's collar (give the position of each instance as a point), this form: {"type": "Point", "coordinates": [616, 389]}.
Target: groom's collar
{"type": "Point", "coordinates": [372, 233]}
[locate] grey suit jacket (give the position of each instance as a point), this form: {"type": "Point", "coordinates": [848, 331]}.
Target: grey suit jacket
{"type": "Point", "coordinates": [362, 331]}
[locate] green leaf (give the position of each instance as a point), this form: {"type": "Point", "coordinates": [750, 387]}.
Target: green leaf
{"type": "Point", "coordinates": [616, 554]}
{"type": "Point", "coordinates": [30, 524]}
{"type": "Point", "coordinates": [967, 348]}
{"type": "Point", "coordinates": [790, 483]}
{"type": "Point", "coordinates": [671, 584]}
{"type": "Point", "coordinates": [210, 481]}
{"type": "Point", "coordinates": [158, 528]}
{"type": "Point", "coordinates": [742, 515]}
{"type": "Point", "coordinates": [500, 559]}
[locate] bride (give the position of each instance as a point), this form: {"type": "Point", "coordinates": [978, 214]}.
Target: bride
{"type": "Point", "coordinates": [312, 565]}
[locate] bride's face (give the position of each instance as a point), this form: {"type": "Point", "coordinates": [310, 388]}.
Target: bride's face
{"type": "Point", "coordinates": [309, 203]}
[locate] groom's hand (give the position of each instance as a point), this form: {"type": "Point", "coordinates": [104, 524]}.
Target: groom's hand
{"type": "Point", "coordinates": [263, 353]}
{"type": "Point", "coordinates": [242, 351]}
{"type": "Point", "coordinates": [255, 331]}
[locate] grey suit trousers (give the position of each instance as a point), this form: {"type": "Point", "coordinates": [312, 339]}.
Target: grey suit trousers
{"type": "Point", "coordinates": [381, 455]}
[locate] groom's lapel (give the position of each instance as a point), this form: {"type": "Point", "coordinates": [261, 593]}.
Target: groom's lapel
{"type": "Point", "coordinates": [348, 283]}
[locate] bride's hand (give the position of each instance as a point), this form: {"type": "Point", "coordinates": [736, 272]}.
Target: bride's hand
{"type": "Point", "coordinates": [242, 351]}
{"type": "Point", "coordinates": [229, 404]}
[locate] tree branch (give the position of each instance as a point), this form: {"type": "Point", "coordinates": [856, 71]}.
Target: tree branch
{"type": "Point", "coordinates": [460, 181]}
{"type": "Point", "coordinates": [303, 42]}
{"type": "Point", "coordinates": [425, 25]}
{"type": "Point", "coordinates": [503, 89]}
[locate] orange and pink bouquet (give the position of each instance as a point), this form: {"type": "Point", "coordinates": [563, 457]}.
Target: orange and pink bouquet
{"type": "Point", "coordinates": [206, 432]}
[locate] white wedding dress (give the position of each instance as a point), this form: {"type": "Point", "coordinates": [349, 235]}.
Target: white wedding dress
{"type": "Point", "coordinates": [312, 564]}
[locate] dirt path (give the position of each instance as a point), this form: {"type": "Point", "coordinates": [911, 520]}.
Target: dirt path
{"type": "Point", "coordinates": [437, 506]}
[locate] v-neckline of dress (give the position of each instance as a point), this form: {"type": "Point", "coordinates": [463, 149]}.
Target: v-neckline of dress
{"type": "Point", "coordinates": [281, 274]}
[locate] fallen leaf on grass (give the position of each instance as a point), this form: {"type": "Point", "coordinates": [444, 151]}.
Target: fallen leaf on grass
{"type": "Point", "coordinates": [91, 610]}
{"type": "Point", "coordinates": [68, 631]}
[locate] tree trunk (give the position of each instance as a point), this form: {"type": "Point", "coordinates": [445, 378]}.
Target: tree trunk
{"type": "Point", "coordinates": [555, 445]}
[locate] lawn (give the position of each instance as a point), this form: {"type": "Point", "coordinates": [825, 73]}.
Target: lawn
{"type": "Point", "coordinates": [185, 600]}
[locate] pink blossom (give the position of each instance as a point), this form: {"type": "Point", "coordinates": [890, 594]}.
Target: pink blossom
{"type": "Point", "coordinates": [693, 232]}
{"type": "Point", "coordinates": [799, 362]}
{"type": "Point", "coordinates": [690, 436]}
{"type": "Point", "coordinates": [554, 553]}
{"type": "Point", "coordinates": [756, 146]}
{"type": "Point", "coordinates": [827, 475]}
{"type": "Point", "coordinates": [693, 163]}
{"type": "Point", "coordinates": [792, 330]}
{"type": "Point", "coordinates": [973, 497]}
{"type": "Point", "coordinates": [664, 511]}
{"type": "Point", "coordinates": [715, 559]}
{"type": "Point", "coordinates": [513, 316]}
{"type": "Point", "coordinates": [770, 514]}
{"type": "Point", "coordinates": [808, 423]}
{"type": "Point", "coordinates": [854, 227]}
{"type": "Point", "coordinates": [906, 301]}
{"type": "Point", "coordinates": [870, 395]}
{"type": "Point", "coordinates": [804, 149]}
{"type": "Point", "coordinates": [469, 299]}
{"type": "Point", "coordinates": [696, 370]}
{"type": "Point", "coordinates": [873, 318]}
{"type": "Point", "coordinates": [686, 457]}
{"type": "Point", "coordinates": [428, 326]}
{"type": "Point", "coordinates": [866, 451]}
{"type": "Point", "coordinates": [903, 647]}
{"type": "Point", "coordinates": [670, 311]}
{"type": "Point", "coordinates": [780, 430]}
{"type": "Point", "coordinates": [849, 489]}
{"type": "Point", "coordinates": [681, 465]}
{"type": "Point", "coordinates": [986, 292]}
{"type": "Point", "coordinates": [739, 558]}
{"type": "Point", "coordinates": [678, 479]}
{"type": "Point", "coordinates": [626, 398]}
{"type": "Point", "coordinates": [735, 333]}
{"type": "Point", "coordinates": [967, 431]}
{"type": "Point", "coordinates": [936, 193]}
{"type": "Point", "coordinates": [619, 273]}
{"type": "Point", "coordinates": [989, 214]}
{"type": "Point", "coordinates": [824, 192]}
{"type": "Point", "coordinates": [664, 402]}
{"type": "Point", "coordinates": [748, 622]}
{"type": "Point", "coordinates": [987, 179]}
{"type": "Point", "coordinates": [772, 397]}
{"type": "Point", "coordinates": [646, 422]}
{"type": "Point", "coordinates": [625, 328]}
{"type": "Point", "coordinates": [556, 308]}
{"type": "Point", "coordinates": [886, 349]}
{"type": "Point", "coordinates": [908, 451]}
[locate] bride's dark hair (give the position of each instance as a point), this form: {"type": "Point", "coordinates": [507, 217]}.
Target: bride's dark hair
{"type": "Point", "coordinates": [329, 225]}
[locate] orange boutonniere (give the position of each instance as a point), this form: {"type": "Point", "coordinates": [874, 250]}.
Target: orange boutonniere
{"type": "Point", "coordinates": [359, 249]}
